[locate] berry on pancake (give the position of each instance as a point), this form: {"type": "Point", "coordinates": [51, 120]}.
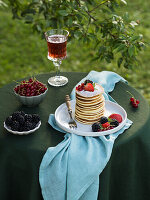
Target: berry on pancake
{"type": "Point", "coordinates": [89, 87]}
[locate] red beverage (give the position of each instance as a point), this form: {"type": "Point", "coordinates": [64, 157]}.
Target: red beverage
{"type": "Point", "coordinates": [57, 46]}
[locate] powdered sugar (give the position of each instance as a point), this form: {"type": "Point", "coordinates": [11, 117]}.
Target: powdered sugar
{"type": "Point", "coordinates": [98, 89]}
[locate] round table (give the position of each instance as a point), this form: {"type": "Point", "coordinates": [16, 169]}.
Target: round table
{"type": "Point", "coordinates": [126, 176]}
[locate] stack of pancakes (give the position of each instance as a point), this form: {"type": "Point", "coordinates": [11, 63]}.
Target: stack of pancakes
{"type": "Point", "coordinates": [89, 110]}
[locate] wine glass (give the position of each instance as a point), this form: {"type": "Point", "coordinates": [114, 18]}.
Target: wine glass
{"type": "Point", "coordinates": [57, 51]}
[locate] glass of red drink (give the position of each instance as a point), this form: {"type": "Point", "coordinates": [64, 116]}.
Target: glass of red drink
{"type": "Point", "coordinates": [57, 51]}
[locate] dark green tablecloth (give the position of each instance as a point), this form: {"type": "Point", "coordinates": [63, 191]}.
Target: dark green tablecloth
{"type": "Point", "coordinates": [126, 176]}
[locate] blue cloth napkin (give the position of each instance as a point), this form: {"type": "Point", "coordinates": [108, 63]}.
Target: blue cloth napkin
{"type": "Point", "coordinates": [70, 171]}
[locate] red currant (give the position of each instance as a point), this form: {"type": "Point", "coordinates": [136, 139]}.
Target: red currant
{"type": "Point", "coordinates": [134, 101]}
{"type": "Point", "coordinates": [131, 99]}
{"type": "Point", "coordinates": [31, 87]}
{"type": "Point", "coordinates": [135, 105]}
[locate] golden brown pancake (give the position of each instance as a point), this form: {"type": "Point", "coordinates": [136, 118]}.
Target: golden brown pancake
{"type": "Point", "coordinates": [90, 106]}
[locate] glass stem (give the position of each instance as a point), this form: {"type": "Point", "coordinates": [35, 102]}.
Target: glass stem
{"type": "Point", "coordinates": [57, 64]}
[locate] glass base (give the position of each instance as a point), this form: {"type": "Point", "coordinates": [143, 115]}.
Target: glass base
{"type": "Point", "coordinates": [58, 81]}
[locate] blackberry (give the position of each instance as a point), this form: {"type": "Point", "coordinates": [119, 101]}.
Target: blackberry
{"type": "Point", "coordinates": [27, 126]}
{"type": "Point", "coordinates": [21, 128]}
{"type": "Point", "coordinates": [35, 118]}
{"type": "Point", "coordinates": [28, 117]}
{"type": "Point", "coordinates": [95, 127]}
{"type": "Point", "coordinates": [103, 120]}
{"type": "Point", "coordinates": [33, 125]}
{"type": "Point", "coordinates": [20, 119]}
{"type": "Point", "coordinates": [8, 121]}
{"type": "Point", "coordinates": [87, 81]}
{"type": "Point", "coordinates": [22, 113]}
{"type": "Point", "coordinates": [15, 115]}
{"type": "Point", "coordinates": [114, 123]}
{"type": "Point", "coordinates": [15, 126]}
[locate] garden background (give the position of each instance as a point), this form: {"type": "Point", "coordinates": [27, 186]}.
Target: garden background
{"type": "Point", "coordinates": [24, 53]}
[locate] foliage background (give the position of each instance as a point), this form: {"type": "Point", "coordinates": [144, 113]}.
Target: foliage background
{"type": "Point", "coordinates": [24, 53]}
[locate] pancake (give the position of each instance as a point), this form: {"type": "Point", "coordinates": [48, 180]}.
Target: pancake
{"type": "Point", "coordinates": [90, 105]}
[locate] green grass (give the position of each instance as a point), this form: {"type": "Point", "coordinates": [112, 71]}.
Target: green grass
{"type": "Point", "coordinates": [23, 53]}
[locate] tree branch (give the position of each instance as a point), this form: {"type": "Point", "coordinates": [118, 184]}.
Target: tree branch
{"type": "Point", "coordinates": [78, 2]}
{"type": "Point", "coordinates": [103, 2]}
{"type": "Point", "coordinates": [90, 15]}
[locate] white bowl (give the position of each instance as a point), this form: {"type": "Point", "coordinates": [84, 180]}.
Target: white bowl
{"type": "Point", "coordinates": [23, 132]}
{"type": "Point", "coordinates": [31, 101]}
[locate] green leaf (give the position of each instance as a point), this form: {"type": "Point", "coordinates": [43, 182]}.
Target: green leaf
{"type": "Point", "coordinates": [38, 27]}
{"type": "Point", "coordinates": [136, 37]}
{"type": "Point", "coordinates": [119, 62]}
{"type": "Point", "coordinates": [77, 34]}
{"type": "Point", "coordinates": [131, 50]}
{"type": "Point", "coordinates": [28, 11]}
{"type": "Point", "coordinates": [69, 21]}
{"type": "Point", "coordinates": [63, 12]}
{"type": "Point", "coordinates": [121, 47]}
{"type": "Point", "coordinates": [48, 23]}
{"type": "Point", "coordinates": [96, 29]}
{"type": "Point", "coordinates": [102, 49]}
{"type": "Point", "coordinates": [35, 1]}
{"type": "Point", "coordinates": [29, 19]}
{"type": "Point", "coordinates": [79, 17]}
{"type": "Point", "coordinates": [126, 65]}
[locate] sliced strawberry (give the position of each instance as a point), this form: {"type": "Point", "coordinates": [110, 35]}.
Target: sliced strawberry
{"type": "Point", "coordinates": [89, 87]}
{"type": "Point", "coordinates": [118, 117]}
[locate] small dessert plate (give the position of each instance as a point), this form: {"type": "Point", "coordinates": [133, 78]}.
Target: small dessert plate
{"type": "Point", "coordinates": [62, 118]}
{"type": "Point", "coordinates": [23, 132]}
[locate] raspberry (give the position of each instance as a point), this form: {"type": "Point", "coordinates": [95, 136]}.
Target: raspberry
{"type": "Point", "coordinates": [95, 127]}
{"type": "Point", "coordinates": [106, 125]}
{"type": "Point", "coordinates": [103, 120]}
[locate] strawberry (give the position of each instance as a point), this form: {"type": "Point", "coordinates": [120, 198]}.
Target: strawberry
{"type": "Point", "coordinates": [116, 116]}
{"type": "Point", "coordinates": [89, 87]}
